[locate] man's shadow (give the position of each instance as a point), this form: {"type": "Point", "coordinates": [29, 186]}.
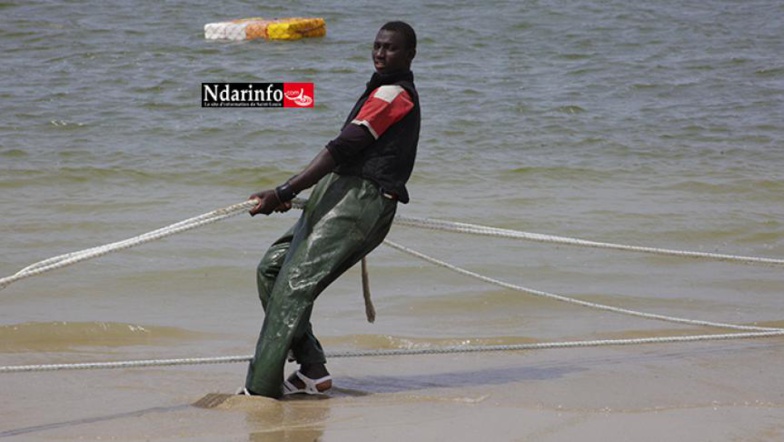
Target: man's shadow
{"type": "Point", "coordinates": [375, 384]}
{"type": "Point", "coordinates": [366, 385]}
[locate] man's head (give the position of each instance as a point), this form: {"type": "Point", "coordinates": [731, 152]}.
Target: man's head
{"type": "Point", "coordinates": [394, 47]}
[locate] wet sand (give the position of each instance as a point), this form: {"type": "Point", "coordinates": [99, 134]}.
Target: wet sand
{"type": "Point", "coordinates": [715, 391]}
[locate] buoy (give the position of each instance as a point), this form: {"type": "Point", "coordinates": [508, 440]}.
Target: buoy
{"type": "Point", "coordinates": [275, 29]}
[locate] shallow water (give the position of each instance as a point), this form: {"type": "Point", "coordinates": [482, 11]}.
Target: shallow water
{"type": "Point", "coordinates": [629, 122]}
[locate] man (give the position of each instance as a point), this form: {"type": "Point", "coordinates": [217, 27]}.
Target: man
{"type": "Point", "coordinates": [359, 176]}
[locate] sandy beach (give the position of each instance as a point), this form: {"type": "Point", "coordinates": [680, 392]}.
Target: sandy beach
{"type": "Point", "coordinates": [719, 391]}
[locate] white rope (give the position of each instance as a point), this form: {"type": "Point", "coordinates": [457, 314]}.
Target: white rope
{"type": "Point", "coordinates": [752, 332]}
{"type": "Point", "coordinates": [219, 214]}
{"type": "Point", "coordinates": [572, 300]}
{"type": "Point", "coordinates": [123, 364]}
{"type": "Point", "coordinates": [475, 229]}
{"type": "Point", "coordinates": [226, 212]}
{"type": "Point", "coordinates": [397, 352]}
{"type": "Point", "coordinates": [94, 252]}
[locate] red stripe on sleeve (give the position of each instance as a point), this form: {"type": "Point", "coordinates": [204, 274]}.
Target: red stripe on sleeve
{"type": "Point", "coordinates": [386, 106]}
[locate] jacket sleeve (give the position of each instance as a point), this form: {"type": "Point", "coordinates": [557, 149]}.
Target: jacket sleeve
{"type": "Point", "coordinates": [386, 106]}
{"type": "Point", "coordinates": [352, 140]}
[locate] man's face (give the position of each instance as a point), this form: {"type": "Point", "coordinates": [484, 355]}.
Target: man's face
{"type": "Point", "coordinates": [390, 53]}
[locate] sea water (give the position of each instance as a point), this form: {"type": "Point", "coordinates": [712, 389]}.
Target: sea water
{"type": "Point", "coordinates": [656, 124]}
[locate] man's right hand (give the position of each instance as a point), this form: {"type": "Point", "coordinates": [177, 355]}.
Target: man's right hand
{"type": "Point", "coordinates": [268, 202]}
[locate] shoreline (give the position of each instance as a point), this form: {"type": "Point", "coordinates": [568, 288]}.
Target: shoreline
{"type": "Point", "coordinates": [696, 391]}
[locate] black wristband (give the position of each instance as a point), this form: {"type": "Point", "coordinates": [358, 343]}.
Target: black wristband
{"type": "Point", "coordinates": [285, 193]}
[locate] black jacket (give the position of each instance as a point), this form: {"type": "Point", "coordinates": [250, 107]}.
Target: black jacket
{"type": "Point", "coordinates": [389, 160]}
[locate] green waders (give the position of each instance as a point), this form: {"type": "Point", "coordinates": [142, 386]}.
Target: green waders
{"type": "Point", "coordinates": [345, 218]}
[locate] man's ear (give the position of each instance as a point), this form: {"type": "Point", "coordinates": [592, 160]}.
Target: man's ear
{"type": "Point", "coordinates": [411, 54]}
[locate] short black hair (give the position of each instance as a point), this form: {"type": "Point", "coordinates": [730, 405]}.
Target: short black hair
{"type": "Point", "coordinates": [403, 28]}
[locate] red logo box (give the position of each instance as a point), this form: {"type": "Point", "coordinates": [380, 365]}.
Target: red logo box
{"type": "Point", "coordinates": [298, 95]}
